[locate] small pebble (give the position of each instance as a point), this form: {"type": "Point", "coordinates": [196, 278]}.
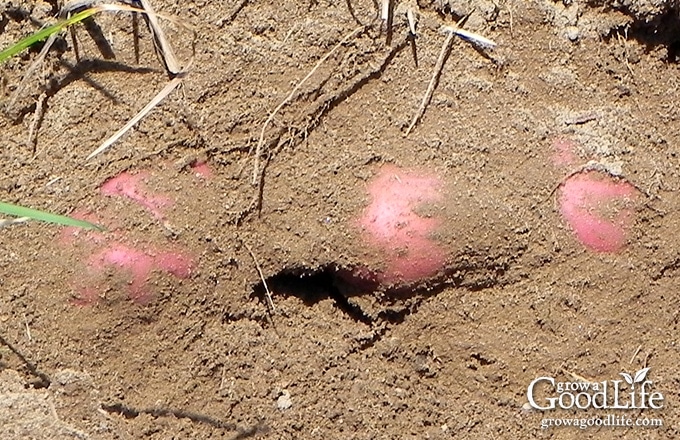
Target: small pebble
{"type": "Point", "coordinates": [572, 33]}
{"type": "Point", "coordinates": [284, 402]}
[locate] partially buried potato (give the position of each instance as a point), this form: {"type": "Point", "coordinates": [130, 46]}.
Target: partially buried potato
{"type": "Point", "coordinates": [393, 225]}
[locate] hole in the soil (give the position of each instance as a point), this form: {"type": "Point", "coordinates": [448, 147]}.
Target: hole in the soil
{"type": "Point", "coordinates": [664, 31]}
{"type": "Point", "coordinates": [312, 287]}
{"type": "Point", "coordinates": [343, 284]}
{"type": "Point", "coordinates": [674, 52]}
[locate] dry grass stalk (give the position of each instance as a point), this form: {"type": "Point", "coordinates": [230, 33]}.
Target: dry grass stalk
{"type": "Point", "coordinates": [268, 294]}
{"type": "Point", "coordinates": [169, 87]}
{"type": "Point", "coordinates": [450, 31]}
{"type": "Point", "coordinates": [161, 43]}
{"type": "Point", "coordinates": [439, 66]}
{"type": "Point", "coordinates": [13, 221]}
{"type": "Point", "coordinates": [38, 115]}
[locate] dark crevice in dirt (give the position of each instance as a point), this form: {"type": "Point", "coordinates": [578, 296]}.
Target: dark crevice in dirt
{"type": "Point", "coordinates": [4, 21]}
{"type": "Point", "coordinates": [311, 287]}
{"type": "Point", "coordinates": [314, 285]}
{"type": "Point", "coordinates": [42, 379]}
{"type": "Point", "coordinates": [663, 31]}
{"type": "Point", "coordinates": [342, 302]}
{"type": "Point", "coordinates": [131, 413]}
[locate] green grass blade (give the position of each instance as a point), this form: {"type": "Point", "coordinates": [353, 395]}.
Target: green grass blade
{"type": "Point", "coordinates": [20, 211]}
{"type": "Point", "coordinates": [45, 33]}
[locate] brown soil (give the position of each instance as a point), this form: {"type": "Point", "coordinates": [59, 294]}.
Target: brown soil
{"type": "Point", "coordinates": [451, 358]}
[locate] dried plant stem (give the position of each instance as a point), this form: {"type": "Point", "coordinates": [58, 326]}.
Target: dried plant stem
{"type": "Point", "coordinates": [162, 43]}
{"type": "Point", "coordinates": [635, 354]}
{"type": "Point", "coordinates": [29, 73]}
{"type": "Point", "coordinates": [13, 221]}
{"type": "Point", "coordinates": [268, 294]}
{"type": "Point", "coordinates": [169, 87]}
{"type": "Point", "coordinates": [260, 143]}
{"type": "Point", "coordinates": [439, 66]}
{"type": "Point", "coordinates": [38, 116]}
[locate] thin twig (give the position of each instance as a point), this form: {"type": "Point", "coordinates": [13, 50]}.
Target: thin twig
{"type": "Point", "coordinates": [268, 293]}
{"type": "Point", "coordinates": [74, 41]}
{"type": "Point", "coordinates": [38, 115]}
{"type": "Point", "coordinates": [28, 329]}
{"type": "Point", "coordinates": [387, 16]}
{"type": "Point", "coordinates": [385, 10]}
{"type": "Point", "coordinates": [476, 39]}
{"type": "Point", "coordinates": [135, 35]}
{"type": "Point", "coordinates": [258, 150]}
{"type": "Point", "coordinates": [12, 221]}
{"type": "Point", "coordinates": [147, 108]}
{"type": "Point", "coordinates": [439, 66]}
{"type": "Point", "coordinates": [635, 354]}
{"type": "Point", "coordinates": [451, 31]}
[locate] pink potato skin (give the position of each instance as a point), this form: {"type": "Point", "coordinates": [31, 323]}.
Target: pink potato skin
{"type": "Point", "coordinates": [132, 186]}
{"type": "Point", "coordinates": [202, 169]}
{"type": "Point", "coordinates": [391, 226]}
{"type": "Point", "coordinates": [113, 254]}
{"type": "Point", "coordinates": [597, 207]}
{"type": "Point", "coordinates": [135, 264]}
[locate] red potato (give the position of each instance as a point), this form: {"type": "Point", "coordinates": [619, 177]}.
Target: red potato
{"type": "Point", "coordinates": [598, 208]}
{"type": "Point", "coordinates": [106, 257]}
{"type": "Point", "coordinates": [132, 264]}
{"type": "Point", "coordinates": [393, 228]}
